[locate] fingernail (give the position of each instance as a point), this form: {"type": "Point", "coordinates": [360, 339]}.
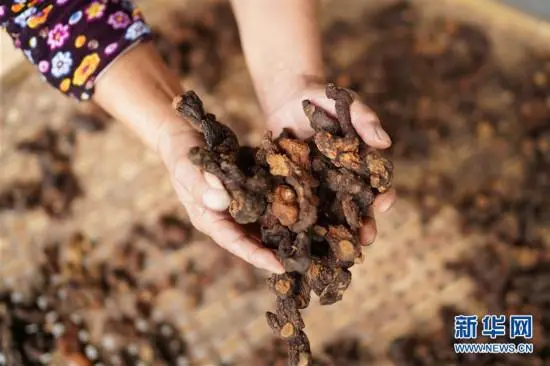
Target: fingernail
{"type": "Point", "coordinates": [268, 261]}
{"type": "Point", "coordinates": [385, 205]}
{"type": "Point", "coordinates": [213, 181]}
{"type": "Point", "coordinates": [368, 232]}
{"type": "Point", "coordinates": [216, 199]}
{"type": "Point", "coordinates": [381, 135]}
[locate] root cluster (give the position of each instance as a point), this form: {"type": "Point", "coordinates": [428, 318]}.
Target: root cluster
{"type": "Point", "coordinates": [310, 197]}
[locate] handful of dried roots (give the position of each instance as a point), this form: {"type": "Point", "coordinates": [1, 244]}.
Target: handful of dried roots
{"type": "Point", "coordinates": [310, 198]}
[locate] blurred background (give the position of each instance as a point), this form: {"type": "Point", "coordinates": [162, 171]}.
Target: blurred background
{"type": "Point", "coordinates": [98, 262]}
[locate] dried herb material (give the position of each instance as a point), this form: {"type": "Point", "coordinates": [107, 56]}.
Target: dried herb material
{"type": "Point", "coordinates": [513, 279]}
{"type": "Point", "coordinates": [340, 352]}
{"type": "Point", "coordinates": [54, 319]}
{"type": "Point", "coordinates": [58, 186]}
{"type": "Point", "coordinates": [173, 232]}
{"type": "Point", "coordinates": [89, 117]}
{"type": "Point", "coordinates": [436, 348]}
{"type": "Point", "coordinates": [169, 233]}
{"type": "Point", "coordinates": [200, 46]}
{"type": "Point", "coordinates": [450, 103]}
{"type": "Point", "coordinates": [20, 196]}
{"type": "Point", "coordinates": [309, 197]}
{"type": "Point", "coordinates": [347, 352]}
{"type": "Point", "coordinates": [220, 157]}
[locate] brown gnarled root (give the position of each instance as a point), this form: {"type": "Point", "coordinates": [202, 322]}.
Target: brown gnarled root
{"type": "Point", "coordinates": [220, 159]}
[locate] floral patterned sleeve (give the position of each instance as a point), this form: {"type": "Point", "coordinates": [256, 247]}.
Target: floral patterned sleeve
{"type": "Point", "coordinates": [72, 41]}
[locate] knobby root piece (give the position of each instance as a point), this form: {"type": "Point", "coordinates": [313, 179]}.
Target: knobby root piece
{"type": "Point", "coordinates": [287, 322]}
{"type": "Point", "coordinates": [343, 99]}
{"type": "Point", "coordinates": [283, 285]}
{"type": "Point", "coordinates": [319, 119]}
{"type": "Point", "coordinates": [283, 205]}
{"type": "Point", "coordinates": [295, 255]}
{"type": "Point", "coordinates": [217, 136]}
{"type": "Point", "coordinates": [380, 171]}
{"type": "Point", "coordinates": [296, 150]}
{"type": "Point", "coordinates": [299, 350]}
{"type": "Point", "coordinates": [220, 159]}
{"type": "Point", "coordinates": [350, 209]}
{"type": "Point", "coordinates": [344, 246]}
{"type": "Point", "coordinates": [334, 291]}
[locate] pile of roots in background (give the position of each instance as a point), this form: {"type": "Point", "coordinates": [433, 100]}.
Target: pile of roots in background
{"type": "Point", "coordinates": [86, 309]}
{"type": "Point", "coordinates": [439, 91]}
{"type": "Point", "coordinates": [199, 46]}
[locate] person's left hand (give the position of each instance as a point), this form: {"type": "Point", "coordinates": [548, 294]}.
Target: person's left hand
{"type": "Point", "coordinates": [290, 115]}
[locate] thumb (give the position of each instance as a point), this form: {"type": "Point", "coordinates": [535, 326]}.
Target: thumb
{"type": "Point", "coordinates": [191, 185]}
{"type": "Point", "coordinates": [368, 126]}
{"type": "Point", "coordinates": [215, 197]}
{"type": "Point", "coordinates": [196, 187]}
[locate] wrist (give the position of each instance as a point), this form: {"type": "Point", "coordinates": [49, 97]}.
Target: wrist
{"type": "Point", "coordinates": [137, 89]}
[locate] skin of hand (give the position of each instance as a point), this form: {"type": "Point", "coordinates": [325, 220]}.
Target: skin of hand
{"type": "Point", "coordinates": [286, 67]}
{"type": "Point", "coordinates": [290, 115]}
{"type": "Point", "coordinates": [137, 89]}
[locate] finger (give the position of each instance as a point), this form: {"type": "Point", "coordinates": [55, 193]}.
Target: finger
{"type": "Point", "coordinates": [367, 232]}
{"type": "Point", "coordinates": [174, 142]}
{"type": "Point", "coordinates": [364, 120]}
{"type": "Point", "coordinates": [385, 201]}
{"type": "Point", "coordinates": [216, 197]}
{"type": "Point", "coordinates": [192, 187]}
{"type": "Point", "coordinates": [227, 234]}
{"type": "Point", "coordinates": [368, 126]}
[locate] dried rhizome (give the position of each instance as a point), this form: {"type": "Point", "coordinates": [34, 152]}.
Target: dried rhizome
{"type": "Point", "coordinates": [309, 197]}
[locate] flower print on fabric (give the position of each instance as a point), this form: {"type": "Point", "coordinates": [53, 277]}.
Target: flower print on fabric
{"type": "Point", "coordinates": [43, 66]}
{"type": "Point", "coordinates": [61, 64]}
{"type": "Point", "coordinates": [28, 55]}
{"type": "Point", "coordinates": [3, 12]}
{"type": "Point", "coordinates": [75, 17]}
{"type": "Point", "coordinates": [40, 17]}
{"type": "Point", "coordinates": [85, 69]}
{"type": "Point", "coordinates": [21, 19]}
{"type": "Point", "coordinates": [95, 10]}
{"type": "Point", "coordinates": [58, 35]}
{"type": "Point", "coordinates": [111, 48]}
{"type": "Point", "coordinates": [119, 20]}
{"type": "Point", "coordinates": [136, 30]}
{"type": "Point", "coordinates": [16, 8]}
{"type": "Point", "coordinates": [72, 41]}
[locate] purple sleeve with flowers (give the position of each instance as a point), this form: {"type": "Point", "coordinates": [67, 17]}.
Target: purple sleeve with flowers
{"type": "Point", "coordinates": [72, 41]}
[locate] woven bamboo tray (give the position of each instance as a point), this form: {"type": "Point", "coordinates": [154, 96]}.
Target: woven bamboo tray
{"type": "Point", "coordinates": [398, 289]}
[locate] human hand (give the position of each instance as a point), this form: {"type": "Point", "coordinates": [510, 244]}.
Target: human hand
{"type": "Point", "coordinates": [288, 113]}
{"type": "Point", "coordinates": [206, 200]}
{"type": "Point", "coordinates": [138, 90]}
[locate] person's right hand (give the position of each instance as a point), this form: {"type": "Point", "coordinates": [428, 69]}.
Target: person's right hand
{"type": "Point", "coordinates": [205, 198]}
{"type": "Point", "coordinates": [138, 89]}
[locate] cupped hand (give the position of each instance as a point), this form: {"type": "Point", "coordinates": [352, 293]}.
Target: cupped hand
{"type": "Point", "coordinates": [206, 200]}
{"type": "Point", "coordinates": [138, 90]}
{"type": "Point", "coordinates": [289, 114]}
